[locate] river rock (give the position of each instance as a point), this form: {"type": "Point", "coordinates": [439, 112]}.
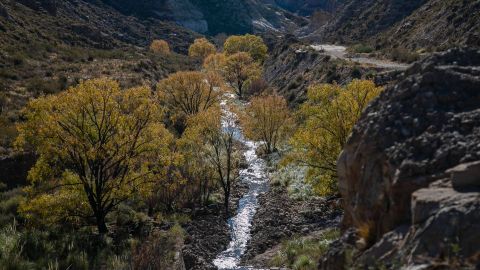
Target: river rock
{"type": "Point", "coordinates": [395, 169]}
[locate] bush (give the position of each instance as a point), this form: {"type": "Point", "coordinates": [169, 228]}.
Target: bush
{"type": "Point", "coordinates": [302, 253]}
{"type": "Point", "coordinates": [8, 131]}
{"type": "Point", "coordinates": [40, 86]}
{"type": "Point", "coordinates": [201, 48]}
{"type": "Point", "coordinates": [362, 48]}
{"type": "Point", "coordinates": [250, 44]}
{"type": "Point", "coordinates": [158, 251]}
{"type": "Point", "coordinates": [160, 46]}
{"type": "Point", "coordinates": [404, 55]}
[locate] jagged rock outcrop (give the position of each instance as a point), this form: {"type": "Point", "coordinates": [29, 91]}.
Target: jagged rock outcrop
{"type": "Point", "coordinates": [409, 163]}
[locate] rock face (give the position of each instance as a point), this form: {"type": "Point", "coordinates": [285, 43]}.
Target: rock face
{"type": "Point", "coordinates": [412, 160]}
{"type": "Point", "coordinates": [307, 7]}
{"type": "Point", "coordinates": [212, 16]}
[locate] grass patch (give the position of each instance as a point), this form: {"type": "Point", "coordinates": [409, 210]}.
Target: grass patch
{"type": "Point", "coordinates": [361, 48]}
{"type": "Point", "coordinates": [303, 253]}
{"type": "Point", "coordinates": [404, 55]}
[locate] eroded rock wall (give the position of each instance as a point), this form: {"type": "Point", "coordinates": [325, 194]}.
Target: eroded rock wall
{"type": "Point", "coordinates": [396, 169]}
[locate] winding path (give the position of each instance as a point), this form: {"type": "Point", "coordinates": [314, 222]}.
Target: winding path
{"type": "Point", "coordinates": [340, 52]}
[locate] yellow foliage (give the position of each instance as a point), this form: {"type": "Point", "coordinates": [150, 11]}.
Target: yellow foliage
{"type": "Point", "coordinates": [215, 63]}
{"type": "Point", "coordinates": [201, 48]}
{"type": "Point", "coordinates": [187, 93]}
{"type": "Point", "coordinates": [327, 119]}
{"type": "Point", "coordinates": [92, 141]}
{"type": "Point", "coordinates": [267, 119]}
{"type": "Point", "coordinates": [215, 144]}
{"type": "Point", "coordinates": [240, 70]}
{"type": "Point", "coordinates": [250, 44]}
{"type": "Point", "coordinates": [160, 46]}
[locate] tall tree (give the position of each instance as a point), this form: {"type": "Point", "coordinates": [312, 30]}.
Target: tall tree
{"type": "Point", "coordinates": [250, 44]}
{"type": "Point", "coordinates": [327, 119]}
{"type": "Point", "coordinates": [201, 48]}
{"type": "Point", "coordinates": [91, 141]}
{"type": "Point", "coordinates": [187, 93]}
{"type": "Point", "coordinates": [240, 70]}
{"type": "Point", "coordinates": [214, 134]}
{"type": "Point", "coordinates": [267, 119]}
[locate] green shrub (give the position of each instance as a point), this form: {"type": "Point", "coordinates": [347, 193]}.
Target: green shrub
{"type": "Point", "coordinates": [404, 55]}
{"type": "Point", "coordinates": [362, 48]}
{"type": "Point", "coordinates": [304, 263]}
{"type": "Point", "coordinates": [40, 86]}
{"type": "Point", "coordinates": [8, 131]}
{"type": "Point", "coordinates": [302, 253]}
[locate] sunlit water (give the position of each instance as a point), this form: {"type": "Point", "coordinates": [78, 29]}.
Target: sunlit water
{"type": "Point", "coordinates": [255, 176]}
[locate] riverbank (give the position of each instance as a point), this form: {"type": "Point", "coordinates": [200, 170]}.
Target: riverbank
{"type": "Point", "coordinates": [207, 234]}
{"type": "Point", "coordinates": [280, 218]}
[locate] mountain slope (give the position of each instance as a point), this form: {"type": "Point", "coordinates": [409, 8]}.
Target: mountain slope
{"type": "Point", "coordinates": [212, 16]}
{"type": "Point", "coordinates": [438, 23]}
{"type": "Point", "coordinates": [48, 45]}
{"type": "Point", "coordinates": [413, 24]}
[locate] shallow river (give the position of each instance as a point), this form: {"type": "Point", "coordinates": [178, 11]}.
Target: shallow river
{"type": "Point", "coordinates": [255, 176]}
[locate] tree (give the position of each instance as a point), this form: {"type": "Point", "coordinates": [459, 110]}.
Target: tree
{"type": "Point", "coordinates": [328, 117]}
{"type": "Point", "coordinates": [160, 46]}
{"type": "Point", "coordinates": [91, 141]}
{"type": "Point", "coordinates": [212, 133]}
{"type": "Point", "coordinates": [240, 70]}
{"type": "Point", "coordinates": [250, 44]}
{"type": "Point", "coordinates": [267, 119]}
{"type": "Point", "coordinates": [201, 48]}
{"type": "Point", "coordinates": [187, 93]}
{"type": "Point", "coordinates": [215, 63]}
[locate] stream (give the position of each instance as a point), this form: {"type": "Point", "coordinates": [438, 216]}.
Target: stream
{"type": "Point", "coordinates": [255, 177]}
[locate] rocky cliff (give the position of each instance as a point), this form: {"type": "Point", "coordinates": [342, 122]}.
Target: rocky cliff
{"type": "Point", "coordinates": [212, 16]}
{"type": "Point", "coordinates": [410, 174]}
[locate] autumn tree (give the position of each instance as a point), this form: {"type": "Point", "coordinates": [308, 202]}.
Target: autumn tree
{"type": "Point", "coordinates": [240, 70]}
{"type": "Point", "coordinates": [160, 46]}
{"type": "Point", "coordinates": [267, 119]}
{"type": "Point", "coordinates": [215, 63]}
{"type": "Point", "coordinates": [327, 119]}
{"type": "Point", "coordinates": [187, 93]}
{"type": "Point", "coordinates": [212, 133]}
{"type": "Point", "coordinates": [250, 44]}
{"type": "Point", "coordinates": [181, 176]}
{"type": "Point", "coordinates": [91, 141]}
{"type": "Point", "coordinates": [201, 48]}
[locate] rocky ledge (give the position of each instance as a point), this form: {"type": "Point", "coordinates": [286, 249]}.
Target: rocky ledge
{"type": "Point", "coordinates": [410, 173]}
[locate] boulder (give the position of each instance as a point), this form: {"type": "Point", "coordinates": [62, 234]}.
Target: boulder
{"type": "Point", "coordinates": [408, 138]}
{"type": "Point", "coordinates": [409, 173]}
{"type": "Point", "coordinates": [445, 224]}
{"type": "Point", "coordinates": [465, 175]}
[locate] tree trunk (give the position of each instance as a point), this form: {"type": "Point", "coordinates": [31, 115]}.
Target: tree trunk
{"type": "Point", "coordinates": [226, 202]}
{"type": "Point", "coordinates": [101, 225]}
